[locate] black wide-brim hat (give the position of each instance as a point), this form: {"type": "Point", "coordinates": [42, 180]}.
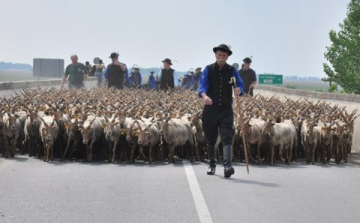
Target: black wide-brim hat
{"type": "Point", "coordinates": [247, 60]}
{"type": "Point", "coordinates": [223, 47]}
{"type": "Point", "coordinates": [167, 60]}
{"type": "Point", "coordinates": [114, 55]}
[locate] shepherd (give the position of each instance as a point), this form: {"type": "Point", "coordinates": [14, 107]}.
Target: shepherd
{"type": "Point", "coordinates": [116, 73]}
{"type": "Point", "coordinates": [216, 90]}
{"type": "Point", "coordinates": [167, 76]}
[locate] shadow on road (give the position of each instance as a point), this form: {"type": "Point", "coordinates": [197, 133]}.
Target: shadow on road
{"type": "Point", "coordinates": [354, 161]}
{"type": "Point", "coordinates": [354, 158]}
{"type": "Point", "coordinates": [20, 158]}
{"type": "Point", "coordinates": [138, 163]}
{"type": "Point", "coordinates": [302, 164]}
{"type": "Point", "coordinates": [242, 181]}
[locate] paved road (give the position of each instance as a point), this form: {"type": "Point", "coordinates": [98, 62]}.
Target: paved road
{"type": "Point", "coordinates": [34, 191]}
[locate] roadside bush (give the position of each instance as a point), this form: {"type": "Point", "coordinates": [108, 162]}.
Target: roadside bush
{"type": "Point", "coordinates": [291, 86]}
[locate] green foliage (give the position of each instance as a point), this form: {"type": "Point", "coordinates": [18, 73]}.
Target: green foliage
{"type": "Point", "coordinates": [291, 86]}
{"type": "Point", "coordinates": [344, 52]}
{"type": "Point", "coordinates": [319, 90]}
{"type": "Point", "coordinates": [332, 88]}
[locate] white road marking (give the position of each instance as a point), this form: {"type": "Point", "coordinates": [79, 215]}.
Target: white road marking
{"type": "Point", "coordinates": [200, 204]}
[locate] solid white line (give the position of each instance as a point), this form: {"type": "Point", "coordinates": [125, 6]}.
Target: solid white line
{"type": "Point", "coordinates": [200, 204]}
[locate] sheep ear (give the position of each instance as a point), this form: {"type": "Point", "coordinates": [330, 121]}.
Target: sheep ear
{"type": "Point", "coordinates": [168, 119]}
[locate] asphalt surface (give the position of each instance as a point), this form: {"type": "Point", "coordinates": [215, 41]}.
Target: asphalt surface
{"type": "Point", "coordinates": [34, 191]}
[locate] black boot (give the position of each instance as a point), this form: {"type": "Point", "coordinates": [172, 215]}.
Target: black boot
{"type": "Point", "coordinates": [228, 169]}
{"type": "Point", "coordinates": [212, 168]}
{"type": "Point", "coordinates": [212, 162]}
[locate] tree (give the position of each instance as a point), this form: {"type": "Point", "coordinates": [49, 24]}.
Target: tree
{"type": "Point", "coordinates": [344, 52]}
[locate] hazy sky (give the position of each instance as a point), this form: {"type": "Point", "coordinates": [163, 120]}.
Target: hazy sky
{"type": "Point", "coordinates": [283, 36]}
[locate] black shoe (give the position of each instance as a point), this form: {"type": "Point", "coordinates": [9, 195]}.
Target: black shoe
{"type": "Point", "coordinates": [228, 171]}
{"type": "Point", "coordinates": [211, 170]}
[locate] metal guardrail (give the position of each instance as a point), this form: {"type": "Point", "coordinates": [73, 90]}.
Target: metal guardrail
{"type": "Point", "coordinates": [311, 94]}
{"type": "Point", "coordinates": [33, 84]}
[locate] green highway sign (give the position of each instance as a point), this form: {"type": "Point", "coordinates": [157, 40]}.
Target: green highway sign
{"type": "Point", "coordinates": [270, 79]}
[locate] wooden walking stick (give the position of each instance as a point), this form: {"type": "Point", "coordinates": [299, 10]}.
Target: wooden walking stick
{"type": "Point", "coordinates": [241, 122]}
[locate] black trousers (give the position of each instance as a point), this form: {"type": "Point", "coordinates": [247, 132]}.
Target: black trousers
{"type": "Point", "coordinates": [251, 92]}
{"type": "Point", "coordinates": [217, 119]}
{"type": "Point", "coordinates": [118, 86]}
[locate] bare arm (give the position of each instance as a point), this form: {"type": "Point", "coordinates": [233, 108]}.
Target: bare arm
{"type": "Point", "coordinates": [100, 66]}
{"type": "Point", "coordinates": [121, 65]}
{"type": "Point", "coordinates": [63, 81]}
{"type": "Point", "coordinates": [253, 84]}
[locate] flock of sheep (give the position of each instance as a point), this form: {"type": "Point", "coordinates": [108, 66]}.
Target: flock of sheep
{"type": "Point", "coordinates": [135, 124]}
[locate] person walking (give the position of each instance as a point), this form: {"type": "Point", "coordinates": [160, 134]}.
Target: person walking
{"type": "Point", "coordinates": [76, 73]}
{"type": "Point", "coordinates": [135, 79]}
{"type": "Point", "coordinates": [167, 76]}
{"type": "Point", "coordinates": [198, 74]}
{"type": "Point", "coordinates": [99, 72]}
{"type": "Point", "coordinates": [152, 81]}
{"type": "Point", "coordinates": [249, 76]}
{"type": "Point", "coordinates": [116, 73]}
{"type": "Point", "coordinates": [216, 90]}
